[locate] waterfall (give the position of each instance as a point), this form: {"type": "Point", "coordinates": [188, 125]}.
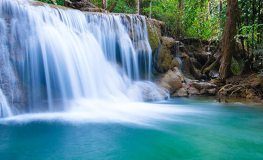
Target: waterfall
{"type": "Point", "coordinates": [62, 56]}
{"type": "Point", "coordinates": [177, 50]}
{"type": "Point", "coordinates": [5, 110]}
{"type": "Point", "coordinates": [129, 32]}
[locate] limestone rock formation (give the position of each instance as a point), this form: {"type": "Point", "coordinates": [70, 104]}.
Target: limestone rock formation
{"type": "Point", "coordinates": [182, 92]}
{"type": "Point", "coordinates": [193, 91]}
{"type": "Point", "coordinates": [204, 85]}
{"type": "Point", "coordinates": [164, 59]}
{"type": "Point", "coordinates": [206, 88]}
{"type": "Point", "coordinates": [172, 80]}
{"type": "Point", "coordinates": [155, 31]}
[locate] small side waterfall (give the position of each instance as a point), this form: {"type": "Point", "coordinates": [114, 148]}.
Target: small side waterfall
{"type": "Point", "coordinates": [177, 50]}
{"type": "Point", "coordinates": [5, 110]}
{"type": "Point", "coordinates": [62, 56]}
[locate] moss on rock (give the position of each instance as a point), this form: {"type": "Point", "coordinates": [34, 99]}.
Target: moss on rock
{"type": "Point", "coordinates": [154, 28]}
{"type": "Point", "coordinates": [164, 59]}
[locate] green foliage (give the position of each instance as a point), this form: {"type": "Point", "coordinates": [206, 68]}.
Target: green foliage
{"type": "Point", "coordinates": [193, 18]}
{"type": "Point", "coordinates": [96, 2]}
{"type": "Point", "coordinates": [59, 2]}
{"type": "Point", "coordinates": [46, 1]}
{"type": "Point", "coordinates": [123, 6]}
{"type": "Point", "coordinates": [235, 67]}
{"type": "Point", "coordinates": [250, 30]}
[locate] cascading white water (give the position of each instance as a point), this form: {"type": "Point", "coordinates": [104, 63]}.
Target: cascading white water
{"type": "Point", "coordinates": [66, 55]}
{"type": "Point", "coordinates": [177, 50]}
{"type": "Point", "coordinates": [114, 33]}
{"type": "Point", "coordinates": [8, 77]}
{"type": "Point", "coordinates": [5, 110]}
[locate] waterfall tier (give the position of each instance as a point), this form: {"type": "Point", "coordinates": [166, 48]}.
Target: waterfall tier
{"type": "Point", "coordinates": [53, 57]}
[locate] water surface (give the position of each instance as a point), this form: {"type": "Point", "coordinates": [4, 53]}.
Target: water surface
{"type": "Point", "coordinates": [194, 129]}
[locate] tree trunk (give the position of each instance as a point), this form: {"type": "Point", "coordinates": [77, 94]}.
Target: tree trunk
{"type": "Point", "coordinates": [104, 4]}
{"type": "Point", "coordinates": [150, 14]}
{"type": "Point", "coordinates": [54, 2]}
{"type": "Point", "coordinates": [210, 59]}
{"type": "Point", "coordinates": [137, 9]}
{"type": "Point", "coordinates": [209, 68]}
{"type": "Point", "coordinates": [180, 17]}
{"type": "Point", "coordinates": [259, 28]}
{"type": "Point", "coordinates": [141, 7]}
{"type": "Point", "coordinates": [220, 8]}
{"type": "Point", "coordinates": [113, 6]}
{"type": "Point", "coordinates": [228, 43]}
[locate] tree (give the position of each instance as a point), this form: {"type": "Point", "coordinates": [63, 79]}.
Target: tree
{"type": "Point", "coordinates": [54, 2]}
{"type": "Point", "coordinates": [137, 10]}
{"type": "Point", "coordinates": [104, 4]}
{"type": "Point", "coordinates": [228, 43]}
{"type": "Point", "coordinates": [179, 19]}
{"type": "Point", "coordinates": [114, 3]}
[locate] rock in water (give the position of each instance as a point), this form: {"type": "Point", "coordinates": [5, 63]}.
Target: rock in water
{"type": "Point", "coordinates": [182, 92]}
{"type": "Point", "coordinates": [172, 80]}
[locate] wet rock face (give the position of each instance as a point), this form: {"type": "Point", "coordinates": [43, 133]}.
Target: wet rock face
{"type": "Point", "coordinates": [155, 31]}
{"type": "Point", "coordinates": [164, 59]}
{"type": "Point", "coordinates": [151, 96]}
{"type": "Point", "coordinates": [11, 55]}
{"type": "Point", "coordinates": [13, 89]}
{"type": "Point", "coordinates": [169, 43]}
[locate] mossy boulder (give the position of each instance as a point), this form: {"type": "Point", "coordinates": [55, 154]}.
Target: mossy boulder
{"type": "Point", "coordinates": [164, 58]}
{"type": "Point", "coordinates": [154, 28]}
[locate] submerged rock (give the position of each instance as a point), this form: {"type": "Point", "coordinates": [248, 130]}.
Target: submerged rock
{"type": "Point", "coordinates": [159, 94]}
